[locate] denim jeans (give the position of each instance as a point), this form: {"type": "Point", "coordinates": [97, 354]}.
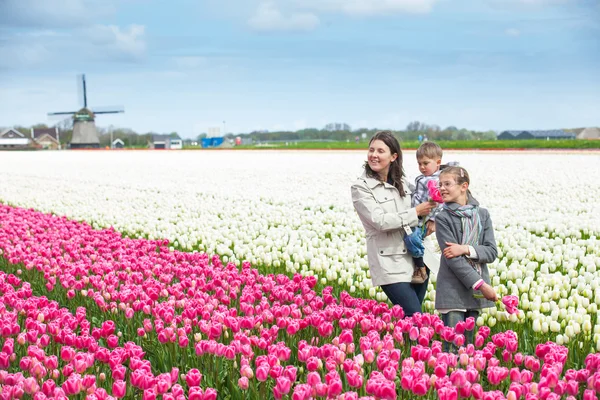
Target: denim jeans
{"type": "Point", "coordinates": [407, 295]}
{"type": "Point", "coordinates": [454, 317]}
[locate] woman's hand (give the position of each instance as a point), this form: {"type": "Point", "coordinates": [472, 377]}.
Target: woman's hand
{"type": "Point", "coordinates": [488, 292]}
{"type": "Point", "coordinates": [425, 208]}
{"type": "Point", "coordinates": [455, 250]}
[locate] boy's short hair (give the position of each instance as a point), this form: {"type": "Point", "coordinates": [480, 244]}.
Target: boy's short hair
{"type": "Point", "coordinates": [430, 150]}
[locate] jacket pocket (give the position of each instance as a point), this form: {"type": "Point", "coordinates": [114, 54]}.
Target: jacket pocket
{"type": "Point", "coordinates": [392, 250]}
{"type": "Point", "coordinates": [383, 196]}
{"type": "Point", "coordinates": [393, 259]}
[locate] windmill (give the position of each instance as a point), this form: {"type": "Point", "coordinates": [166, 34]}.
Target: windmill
{"type": "Point", "coordinates": [85, 135]}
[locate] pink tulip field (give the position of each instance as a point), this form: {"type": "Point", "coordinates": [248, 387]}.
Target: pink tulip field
{"type": "Point", "coordinates": [91, 314]}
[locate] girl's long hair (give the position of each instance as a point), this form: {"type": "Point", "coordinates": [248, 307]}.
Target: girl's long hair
{"type": "Point", "coordinates": [396, 172]}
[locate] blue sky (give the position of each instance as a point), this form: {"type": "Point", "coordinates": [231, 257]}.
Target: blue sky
{"type": "Point", "coordinates": [188, 65]}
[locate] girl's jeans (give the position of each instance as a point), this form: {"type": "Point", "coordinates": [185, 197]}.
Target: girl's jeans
{"type": "Point", "coordinates": [451, 319]}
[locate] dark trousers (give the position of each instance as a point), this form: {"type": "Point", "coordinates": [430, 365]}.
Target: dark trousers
{"type": "Point", "coordinates": [407, 295]}
{"type": "Point", "coordinates": [454, 317]}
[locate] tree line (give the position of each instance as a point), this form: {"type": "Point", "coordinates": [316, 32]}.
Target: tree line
{"type": "Point", "coordinates": [330, 132]}
{"type": "Point", "coordinates": [343, 132]}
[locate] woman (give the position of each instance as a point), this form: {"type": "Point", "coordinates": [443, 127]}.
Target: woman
{"type": "Point", "coordinates": [382, 200]}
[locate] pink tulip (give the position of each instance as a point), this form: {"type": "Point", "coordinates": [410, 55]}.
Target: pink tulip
{"type": "Point", "coordinates": [243, 383]}
{"type": "Point", "coordinates": [67, 353]}
{"type": "Point", "coordinates": [589, 395]}
{"type": "Point", "coordinates": [30, 386]}
{"type": "Point", "coordinates": [440, 370]}
{"type": "Point", "coordinates": [511, 303]}
{"type": "Point", "coordinates": [195, 393]}
{"type": "Point", "coordinates": [119, 389]}
{"type": "Point", "coordinates": [149, 394]}
{"type": "Point", "coordinates": [210, 394]}
{"type": "Point", "coordinates": [448, 393]}
{"type": "Point", "coordinates": [434, 191]}
{"type": "Point", "coordinates": [262, 373]}
{"type": "Point", "coordinates": [48, 387]}
{"type": "Point", "coordinates": [193, 377]}
{"type": "Point", "coordinates": [355, 380]}
{"type": "Point", "coordinates": [72, 385]}
{"type": "Point", "coordinates": [420, 387]}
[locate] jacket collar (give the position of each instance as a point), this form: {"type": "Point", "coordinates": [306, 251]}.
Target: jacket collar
{"type": "Point", "coordinates": [372, 182]}
{"type": "Point", "coordinates": [470, 201]}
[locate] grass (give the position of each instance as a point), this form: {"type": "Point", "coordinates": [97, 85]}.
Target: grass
{"type": "Point", "coordinates": [457, 144]}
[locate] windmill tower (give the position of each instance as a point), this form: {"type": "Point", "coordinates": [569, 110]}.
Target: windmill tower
{"type": "Point", "coordinates": [85, 135]}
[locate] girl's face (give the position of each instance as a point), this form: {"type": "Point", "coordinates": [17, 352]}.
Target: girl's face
{"type": "Point", "coordinates": [380, 157]}
{"type": "Point", "coordinates": [451, 191]}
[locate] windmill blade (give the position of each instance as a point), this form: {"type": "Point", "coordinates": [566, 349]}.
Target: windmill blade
{"type": "Point", "coordinates": [81, 91]}
{"type": "Point", "coordinates": [108, 110]}
{"type": "Point", "coordinates": [60, 115]}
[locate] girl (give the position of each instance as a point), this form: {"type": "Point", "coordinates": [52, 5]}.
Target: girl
{"type": "Point", "coordinates": [466, 237]}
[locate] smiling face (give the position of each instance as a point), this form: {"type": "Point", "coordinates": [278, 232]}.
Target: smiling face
{"type": "Point", "coordinates": [451, 190]}
{"type": "Point", "coordinates": [380, 157]}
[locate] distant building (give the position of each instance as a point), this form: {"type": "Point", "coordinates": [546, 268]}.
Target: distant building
{"type": "Point", "coordinates": [13, 139]}
{"type": "Point", "coordinates": [47, 138]}
{"type": "Point", "coordinates": [589, 133]}
{"type": "Point", "coordinates": [508, 135]}
{"type": "Point", "coordinates": [214, 131]}
{"type": "Point", "coordinates": [212, 142]}
{"type": "Point", "coordinates": [536, 134]}
{"type": "Point", "coordinates": [118, 144]}
{"type": "Point", "coordinates": [176, 144]}
{"type": "Point", "coordinates": [165, 142]}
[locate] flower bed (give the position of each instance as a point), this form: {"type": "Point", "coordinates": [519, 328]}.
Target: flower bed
{"type": "Point", "coordinates": [141, 321]}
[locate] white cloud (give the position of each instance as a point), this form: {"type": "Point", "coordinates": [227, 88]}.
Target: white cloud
{"type": "Point", "coordinates": [526, 3]}
{"type": "Point", "coordinates": [542, 2]}
{"type": "Point", "coordinates": [52, 13]}
{"type": "Point", "coordinates": [368, 7]}
{"type": "Point", "coordinates": [269, 18]}
{"type": "Point", "coordinates": [301, 15]}
{"type": "Point", "coordinates": [129, 44]}
{"type": "Point", "coordinates": [513, 32]}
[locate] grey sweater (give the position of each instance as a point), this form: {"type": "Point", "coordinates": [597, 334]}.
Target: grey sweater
{"type": "Point", "coordinates": [456, 276]}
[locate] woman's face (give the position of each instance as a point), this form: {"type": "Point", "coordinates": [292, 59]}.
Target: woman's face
{"type": "Point", "coordinates": [380, 157]}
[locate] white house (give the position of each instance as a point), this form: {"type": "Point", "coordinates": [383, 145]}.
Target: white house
{"type": "Point", "coordinates": [13, 139]}
{"type": "Point", "coordinates": [46, 137]}
{"type": "Point", "coordinates": [118, 144]}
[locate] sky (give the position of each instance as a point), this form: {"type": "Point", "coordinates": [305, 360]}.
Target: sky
{"type": "Point", "coordinates": [244, 65]}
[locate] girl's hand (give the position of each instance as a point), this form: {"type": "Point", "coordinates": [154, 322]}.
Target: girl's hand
{"type": "Point", "coordinates": [455, 250]}
{"type": "Point", "coordinates": [424, 208]}
{"type": "Point", "coordinates": [488, 292]}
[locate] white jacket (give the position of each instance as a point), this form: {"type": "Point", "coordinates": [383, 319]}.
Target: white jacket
{"type": "Point", "coordinates": [383, 213]}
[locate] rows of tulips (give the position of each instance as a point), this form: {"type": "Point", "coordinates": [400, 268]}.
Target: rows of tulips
{"type": "Point", "coordinates": [141, 321]}
{"type": "Point", "coordinates": [547, 230]}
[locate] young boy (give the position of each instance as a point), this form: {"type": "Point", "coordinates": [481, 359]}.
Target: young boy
{"type": "Point", "coordinates": [429, 158]}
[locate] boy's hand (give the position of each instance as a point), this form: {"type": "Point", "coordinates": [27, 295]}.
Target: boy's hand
{"type": "Point", "coordinates": [488, 292]}
{"type": "Point", "coordinates": [430, 225]}
{"type": "Point", "coordinates": [455, 250]}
